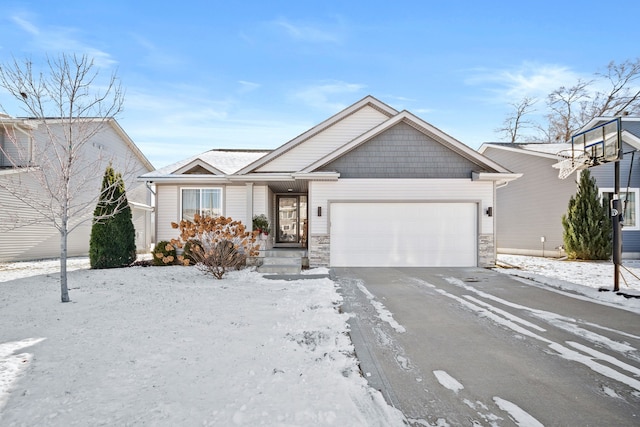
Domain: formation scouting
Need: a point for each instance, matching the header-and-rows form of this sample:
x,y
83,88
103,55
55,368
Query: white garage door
x,y
403,234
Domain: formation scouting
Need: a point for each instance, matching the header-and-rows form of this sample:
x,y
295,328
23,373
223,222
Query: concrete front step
x,y
279,269
275,253
272,260
282,261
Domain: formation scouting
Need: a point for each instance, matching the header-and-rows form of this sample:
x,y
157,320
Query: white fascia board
x,y
520,150
631,139
316,176
186,179
261,177
497,177
198,162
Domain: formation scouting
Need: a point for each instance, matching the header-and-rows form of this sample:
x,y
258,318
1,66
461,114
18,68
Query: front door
x,y
291,229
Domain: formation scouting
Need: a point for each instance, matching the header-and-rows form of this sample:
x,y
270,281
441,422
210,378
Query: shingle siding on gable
x,y
402,152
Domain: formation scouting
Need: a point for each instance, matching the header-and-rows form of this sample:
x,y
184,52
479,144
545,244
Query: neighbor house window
x,y
630,209
203,201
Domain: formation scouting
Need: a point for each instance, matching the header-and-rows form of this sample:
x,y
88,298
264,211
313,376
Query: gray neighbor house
x,y
529,210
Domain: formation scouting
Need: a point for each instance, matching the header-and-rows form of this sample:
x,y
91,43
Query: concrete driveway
x,y
473,347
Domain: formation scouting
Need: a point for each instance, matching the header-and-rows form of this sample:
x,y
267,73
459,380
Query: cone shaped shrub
x,y
587,226
113,236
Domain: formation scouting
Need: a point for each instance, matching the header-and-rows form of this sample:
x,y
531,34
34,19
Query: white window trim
x,y
636,191
202,188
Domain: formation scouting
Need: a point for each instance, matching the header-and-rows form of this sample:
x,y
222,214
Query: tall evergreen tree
x,y
587,226
113,236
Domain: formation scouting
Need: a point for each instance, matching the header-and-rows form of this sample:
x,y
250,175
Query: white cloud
x,y
323,95
26,25
310,33
529,79
51,40
246,86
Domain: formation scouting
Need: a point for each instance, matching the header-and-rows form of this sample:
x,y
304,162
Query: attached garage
x,y
408,234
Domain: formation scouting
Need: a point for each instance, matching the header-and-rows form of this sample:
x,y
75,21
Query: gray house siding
x,y
605,178
526,209
402,152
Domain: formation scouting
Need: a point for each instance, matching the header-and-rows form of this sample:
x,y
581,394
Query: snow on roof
x,y
226,161
538,147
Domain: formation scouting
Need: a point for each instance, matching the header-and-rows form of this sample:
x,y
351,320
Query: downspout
x,y
154,219
249,187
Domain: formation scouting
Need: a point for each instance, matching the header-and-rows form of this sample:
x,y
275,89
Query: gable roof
x,y
538,149
422,126
31,123
219,162
551,150
368,101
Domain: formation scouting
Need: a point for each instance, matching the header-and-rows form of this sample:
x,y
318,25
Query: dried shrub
x,y
164,253
187,251
222,244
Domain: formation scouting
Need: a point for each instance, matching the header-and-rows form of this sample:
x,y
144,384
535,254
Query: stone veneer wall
x,y
487,251
319,251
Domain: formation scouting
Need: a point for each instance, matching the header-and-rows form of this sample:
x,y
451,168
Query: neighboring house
x,y
532,207
629,181
370,186
41,240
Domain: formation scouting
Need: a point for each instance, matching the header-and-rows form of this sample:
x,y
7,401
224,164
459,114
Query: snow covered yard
x,y
584,278
170,346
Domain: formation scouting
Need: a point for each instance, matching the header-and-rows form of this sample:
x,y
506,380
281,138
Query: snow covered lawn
x,y
171,346
584,278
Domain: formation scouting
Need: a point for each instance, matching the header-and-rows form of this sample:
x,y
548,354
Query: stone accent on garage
x,y
319,247
486,251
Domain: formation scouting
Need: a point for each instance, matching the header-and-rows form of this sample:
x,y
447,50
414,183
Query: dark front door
x,y
292,220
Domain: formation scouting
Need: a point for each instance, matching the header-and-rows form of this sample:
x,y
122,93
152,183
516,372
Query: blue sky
x,y
254,74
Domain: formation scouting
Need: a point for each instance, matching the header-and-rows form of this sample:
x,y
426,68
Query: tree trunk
x,y
64,290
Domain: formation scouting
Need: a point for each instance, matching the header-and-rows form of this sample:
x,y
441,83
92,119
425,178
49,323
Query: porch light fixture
x,y
490,211
289,190
319,210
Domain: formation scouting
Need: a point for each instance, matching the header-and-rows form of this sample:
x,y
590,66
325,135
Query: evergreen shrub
x,y
164,253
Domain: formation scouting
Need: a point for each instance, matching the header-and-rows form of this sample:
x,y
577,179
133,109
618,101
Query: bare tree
x,y
67,106
613,92
517,120
567,107
622,97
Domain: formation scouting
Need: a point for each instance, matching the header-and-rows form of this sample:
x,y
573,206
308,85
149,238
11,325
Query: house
x,y
531,208
26,235
369,186
629,181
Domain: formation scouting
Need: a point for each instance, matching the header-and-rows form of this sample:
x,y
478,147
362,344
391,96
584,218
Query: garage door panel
x,y
403,234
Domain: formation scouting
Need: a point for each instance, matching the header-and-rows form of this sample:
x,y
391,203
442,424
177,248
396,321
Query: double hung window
x,y
202,201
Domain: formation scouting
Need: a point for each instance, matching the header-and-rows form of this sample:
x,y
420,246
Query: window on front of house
x,y
203,201
630,221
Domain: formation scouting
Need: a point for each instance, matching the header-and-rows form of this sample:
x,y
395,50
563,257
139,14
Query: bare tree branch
x,y
515,122
55,167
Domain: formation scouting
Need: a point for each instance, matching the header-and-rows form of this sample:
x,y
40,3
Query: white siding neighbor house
x,y
370,186
24,146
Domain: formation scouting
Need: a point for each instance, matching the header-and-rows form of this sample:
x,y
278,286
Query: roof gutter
x,y
501,179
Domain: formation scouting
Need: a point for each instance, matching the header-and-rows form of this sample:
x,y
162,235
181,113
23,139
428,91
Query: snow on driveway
x,y
170,346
